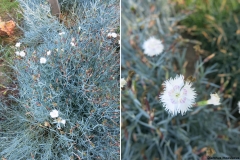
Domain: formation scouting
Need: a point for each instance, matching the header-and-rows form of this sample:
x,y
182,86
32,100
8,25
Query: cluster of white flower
x,y
23,54
19,53
61,33
57,120
114,35
179,97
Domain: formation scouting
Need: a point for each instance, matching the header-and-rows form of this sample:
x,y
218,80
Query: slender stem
x,y
201,103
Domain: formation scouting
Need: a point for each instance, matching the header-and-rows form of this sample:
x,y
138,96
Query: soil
x,y
191,57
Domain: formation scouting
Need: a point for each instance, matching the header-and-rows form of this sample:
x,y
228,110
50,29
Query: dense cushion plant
x,y
67,101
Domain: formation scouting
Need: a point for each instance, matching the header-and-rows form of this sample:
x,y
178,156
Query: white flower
x,y
48,52
239,107
54,113
22,53
61,50
114,35
215,99
17,53
178,96
122,82
43,60
61,33
72,44
18,44
153,47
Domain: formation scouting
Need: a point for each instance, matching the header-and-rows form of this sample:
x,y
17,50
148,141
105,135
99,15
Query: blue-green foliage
x,y
81,82
147,131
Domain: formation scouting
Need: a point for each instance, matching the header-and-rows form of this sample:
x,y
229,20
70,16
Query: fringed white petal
x,y
178,96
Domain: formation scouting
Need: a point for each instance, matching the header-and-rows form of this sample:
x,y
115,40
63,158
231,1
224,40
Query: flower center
x,y
178,94
154,46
